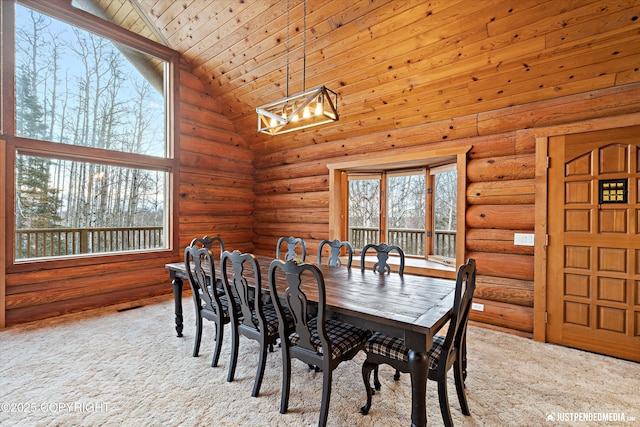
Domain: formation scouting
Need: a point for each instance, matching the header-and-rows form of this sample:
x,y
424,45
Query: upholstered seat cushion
x,y
394,348
343,336
271,317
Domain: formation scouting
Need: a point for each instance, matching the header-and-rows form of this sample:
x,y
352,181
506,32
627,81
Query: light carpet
x,y
127,368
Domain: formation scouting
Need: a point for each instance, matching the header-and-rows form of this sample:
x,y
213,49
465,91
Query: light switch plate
x,y
523,239
477,307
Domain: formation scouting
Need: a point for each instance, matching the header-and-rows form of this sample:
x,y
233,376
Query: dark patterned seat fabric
x,y
343,336
394,348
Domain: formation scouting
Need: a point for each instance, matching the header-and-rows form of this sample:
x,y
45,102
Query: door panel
x,y
593,270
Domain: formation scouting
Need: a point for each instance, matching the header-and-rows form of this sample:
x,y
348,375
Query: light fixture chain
x,y
304,44
287,73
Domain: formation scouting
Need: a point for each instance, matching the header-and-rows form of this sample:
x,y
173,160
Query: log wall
x,y
215,198
292,191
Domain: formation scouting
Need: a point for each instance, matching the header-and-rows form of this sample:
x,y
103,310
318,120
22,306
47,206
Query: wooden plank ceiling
x,y
393,63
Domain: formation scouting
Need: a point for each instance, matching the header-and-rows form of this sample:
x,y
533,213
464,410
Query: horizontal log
x,y
79,287
510,217
198,161
202,130
299,185
213,222
513,192
500,289
209,207
33,280
502,168
201,145
58,308
528,335
291,172
212,177
505,315
202,114
495,240
195,191
312,214
510,266
296,200
231,238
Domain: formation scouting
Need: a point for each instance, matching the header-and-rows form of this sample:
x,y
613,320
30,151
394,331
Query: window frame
x,y
63,11
338,193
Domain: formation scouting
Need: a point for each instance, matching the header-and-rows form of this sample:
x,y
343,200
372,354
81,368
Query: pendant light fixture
x,y
308,108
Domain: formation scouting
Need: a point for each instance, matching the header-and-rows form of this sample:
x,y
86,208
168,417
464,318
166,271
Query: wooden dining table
x,y
410,307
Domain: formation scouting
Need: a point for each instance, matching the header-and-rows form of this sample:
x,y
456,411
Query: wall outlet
x,y
523,239
477,307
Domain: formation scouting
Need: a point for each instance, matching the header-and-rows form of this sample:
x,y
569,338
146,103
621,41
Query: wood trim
x,y
540,238
338,188
337,193
7,66
403,160
3,235
461,224
62,10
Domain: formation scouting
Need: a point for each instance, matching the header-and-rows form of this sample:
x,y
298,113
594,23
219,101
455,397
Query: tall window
x,y
414,209
93,156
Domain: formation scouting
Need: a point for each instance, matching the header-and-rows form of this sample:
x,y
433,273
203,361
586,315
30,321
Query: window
x,y
418,213
415,201
92,136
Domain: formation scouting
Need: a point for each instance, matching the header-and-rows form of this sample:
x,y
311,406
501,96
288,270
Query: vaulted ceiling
x,y
394,63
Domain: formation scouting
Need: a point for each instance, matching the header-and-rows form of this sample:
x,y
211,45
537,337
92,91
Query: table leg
x,y
419,368
177,298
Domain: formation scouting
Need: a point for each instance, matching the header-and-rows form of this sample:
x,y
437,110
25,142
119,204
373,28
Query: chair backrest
x,y
295,299
207,242
239,287
200,270
292,243
334,257
382,250
465,287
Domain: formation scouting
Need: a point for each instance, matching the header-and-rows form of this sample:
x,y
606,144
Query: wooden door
x,y
593,269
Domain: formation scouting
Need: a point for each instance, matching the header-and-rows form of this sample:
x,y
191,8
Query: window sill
x,y
417,266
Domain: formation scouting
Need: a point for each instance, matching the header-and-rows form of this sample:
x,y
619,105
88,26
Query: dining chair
x,y
382,251
292,244
209,303
446,352
334,256
316,340
382,266
254,318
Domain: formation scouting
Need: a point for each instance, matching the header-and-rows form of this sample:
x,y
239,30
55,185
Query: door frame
x,y
542,136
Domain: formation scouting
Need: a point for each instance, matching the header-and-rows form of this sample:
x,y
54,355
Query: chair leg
x,y
196,343
326,397
219,336
443,398
262,361
458,375
233,361
367,367
376,380
286,380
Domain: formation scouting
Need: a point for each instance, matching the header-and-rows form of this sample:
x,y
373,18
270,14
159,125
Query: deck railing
x,y
53,242
410,240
